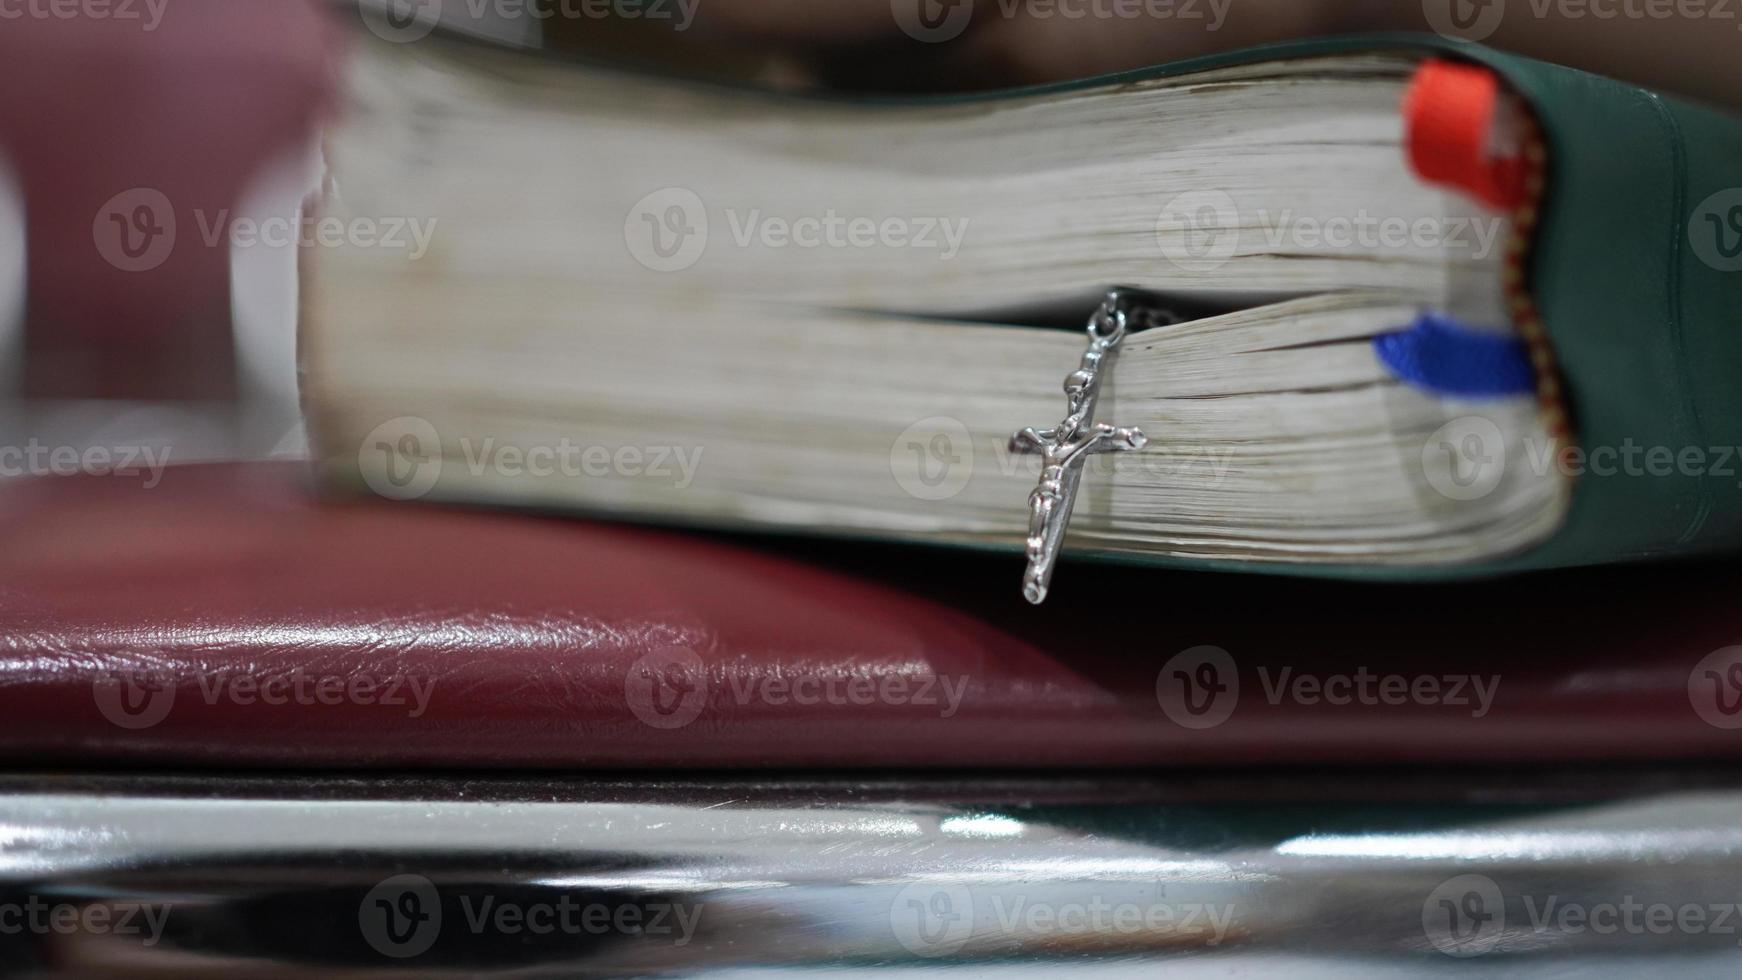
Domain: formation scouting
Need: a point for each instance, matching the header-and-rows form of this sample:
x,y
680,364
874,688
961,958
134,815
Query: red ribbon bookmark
x,y
1449,114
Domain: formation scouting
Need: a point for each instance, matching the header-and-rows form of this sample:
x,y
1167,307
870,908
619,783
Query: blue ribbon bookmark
x,y
1440,355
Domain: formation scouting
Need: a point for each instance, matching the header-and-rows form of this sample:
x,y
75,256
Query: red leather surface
x,y
182,603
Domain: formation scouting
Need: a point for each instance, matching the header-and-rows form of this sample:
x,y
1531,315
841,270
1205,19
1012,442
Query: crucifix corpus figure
x,y
1064,450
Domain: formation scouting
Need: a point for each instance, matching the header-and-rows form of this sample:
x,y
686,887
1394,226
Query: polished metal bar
x,y
1105,877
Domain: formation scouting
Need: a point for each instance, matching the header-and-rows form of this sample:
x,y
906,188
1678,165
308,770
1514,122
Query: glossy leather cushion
x,y
226,617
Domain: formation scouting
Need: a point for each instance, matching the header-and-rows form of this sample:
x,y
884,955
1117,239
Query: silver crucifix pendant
x,y
1064,450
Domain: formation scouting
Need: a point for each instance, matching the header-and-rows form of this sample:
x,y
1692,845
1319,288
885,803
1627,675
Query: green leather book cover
x,y
1637,270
